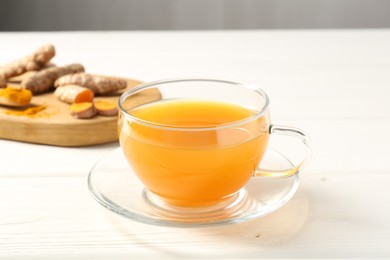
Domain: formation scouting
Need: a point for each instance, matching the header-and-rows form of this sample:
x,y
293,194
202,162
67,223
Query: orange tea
x,y
191,152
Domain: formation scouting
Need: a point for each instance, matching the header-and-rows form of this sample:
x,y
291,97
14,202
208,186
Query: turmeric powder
x,y
21,97
29,112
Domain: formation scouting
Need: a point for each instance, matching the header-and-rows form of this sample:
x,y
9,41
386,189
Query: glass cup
x,y
197,145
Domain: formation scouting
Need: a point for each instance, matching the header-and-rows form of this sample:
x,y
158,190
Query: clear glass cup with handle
x,y
197,146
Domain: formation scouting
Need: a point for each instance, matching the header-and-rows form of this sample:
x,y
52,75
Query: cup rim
x,y
192,128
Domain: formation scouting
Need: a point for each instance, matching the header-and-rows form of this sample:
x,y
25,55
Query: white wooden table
x,y
333,84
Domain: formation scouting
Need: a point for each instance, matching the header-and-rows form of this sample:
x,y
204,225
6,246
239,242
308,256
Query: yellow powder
x,y
29,112
20,96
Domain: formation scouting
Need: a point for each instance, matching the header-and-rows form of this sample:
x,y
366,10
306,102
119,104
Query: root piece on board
x,y
44,80
27,74
74,94
106,108
82,110
98,84
34,61
3,82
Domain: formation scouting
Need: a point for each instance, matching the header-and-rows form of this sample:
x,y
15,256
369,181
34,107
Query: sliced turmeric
x,y
74,94
44,80
106,108
98,84
82,110
15,97
35,61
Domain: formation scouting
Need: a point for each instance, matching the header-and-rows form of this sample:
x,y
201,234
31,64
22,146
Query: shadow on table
x,y
271,230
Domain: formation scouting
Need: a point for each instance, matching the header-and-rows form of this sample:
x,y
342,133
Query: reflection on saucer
x,y
114,185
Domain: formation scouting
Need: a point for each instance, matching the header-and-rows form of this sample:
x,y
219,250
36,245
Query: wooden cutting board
x,y
55,126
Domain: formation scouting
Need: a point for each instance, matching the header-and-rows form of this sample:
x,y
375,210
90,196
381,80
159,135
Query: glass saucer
x,y
115,186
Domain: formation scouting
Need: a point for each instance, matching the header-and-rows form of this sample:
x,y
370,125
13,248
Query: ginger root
x,y
43,80
35,61
82,110
98,84
74,94
106,108
15,97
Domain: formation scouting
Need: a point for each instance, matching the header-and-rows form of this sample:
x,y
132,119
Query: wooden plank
x,y
55,126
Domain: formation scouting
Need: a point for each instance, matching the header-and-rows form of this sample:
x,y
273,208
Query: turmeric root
x,y
82,110
3,82
98,84
15,97
43,80
20,78
74,94
106,108
35,61
27,74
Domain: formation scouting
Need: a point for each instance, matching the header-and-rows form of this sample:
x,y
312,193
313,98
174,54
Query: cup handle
x,y
293,132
